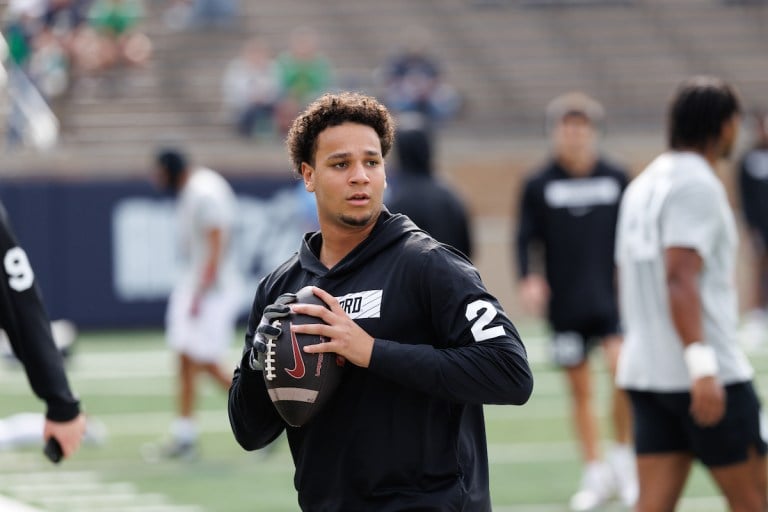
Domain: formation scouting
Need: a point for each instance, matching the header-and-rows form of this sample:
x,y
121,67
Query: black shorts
x,y
663,424
571,344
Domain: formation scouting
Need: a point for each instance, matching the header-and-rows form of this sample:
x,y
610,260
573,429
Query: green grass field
x,y
126,381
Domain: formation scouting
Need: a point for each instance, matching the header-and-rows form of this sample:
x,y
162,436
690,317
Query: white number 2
x,y
480,328
20,275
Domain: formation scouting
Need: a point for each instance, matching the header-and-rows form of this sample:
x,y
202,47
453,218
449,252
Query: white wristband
x,y
701,360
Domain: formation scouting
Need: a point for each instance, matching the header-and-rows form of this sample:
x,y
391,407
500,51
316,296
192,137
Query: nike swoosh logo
x,y
298,369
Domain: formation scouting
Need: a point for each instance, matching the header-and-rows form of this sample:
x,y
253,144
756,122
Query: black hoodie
x,y
407,432
25,320
431,204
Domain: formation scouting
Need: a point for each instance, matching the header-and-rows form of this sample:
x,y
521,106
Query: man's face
x,y
573,135
163,182
348,177
730,134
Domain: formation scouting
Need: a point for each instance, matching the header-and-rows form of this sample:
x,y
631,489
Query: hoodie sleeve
x,y
484,360
26,322
254,420
528,226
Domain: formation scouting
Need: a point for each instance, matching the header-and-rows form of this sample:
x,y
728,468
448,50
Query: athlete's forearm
x,y
683,269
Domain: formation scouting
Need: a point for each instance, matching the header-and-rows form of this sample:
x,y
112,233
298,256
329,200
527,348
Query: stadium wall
x,y
104,250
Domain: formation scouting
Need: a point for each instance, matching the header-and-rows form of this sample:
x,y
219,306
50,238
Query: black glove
x,y
266,332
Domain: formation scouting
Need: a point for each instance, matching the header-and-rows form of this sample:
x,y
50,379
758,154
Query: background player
x,y
26,324
417,193
753,188
429,346
202,310
568,210
688,380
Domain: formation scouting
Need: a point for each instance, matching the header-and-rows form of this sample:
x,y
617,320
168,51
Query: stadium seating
x,y
507,57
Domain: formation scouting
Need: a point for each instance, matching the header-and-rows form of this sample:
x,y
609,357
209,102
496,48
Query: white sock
x,y
184,429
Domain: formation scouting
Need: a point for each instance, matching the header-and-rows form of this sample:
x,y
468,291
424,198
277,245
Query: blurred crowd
x,y
51,43
53,40
263,88
57,45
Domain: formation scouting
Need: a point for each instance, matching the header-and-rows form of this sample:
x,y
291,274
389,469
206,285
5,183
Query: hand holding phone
x,y
53,450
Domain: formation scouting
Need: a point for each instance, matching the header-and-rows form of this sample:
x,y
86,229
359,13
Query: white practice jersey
x,y
206,201
677,201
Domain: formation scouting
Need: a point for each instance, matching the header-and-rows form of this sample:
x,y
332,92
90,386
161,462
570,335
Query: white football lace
x,y
269,369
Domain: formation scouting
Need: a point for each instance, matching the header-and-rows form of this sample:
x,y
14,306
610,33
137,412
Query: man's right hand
x,y
707,401
69,434
534,294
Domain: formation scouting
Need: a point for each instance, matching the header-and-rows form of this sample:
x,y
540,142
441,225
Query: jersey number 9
x,y
20,275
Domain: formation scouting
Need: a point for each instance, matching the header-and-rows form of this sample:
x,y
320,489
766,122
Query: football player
x,y
689,382
25,321
568,209
203,307
426,345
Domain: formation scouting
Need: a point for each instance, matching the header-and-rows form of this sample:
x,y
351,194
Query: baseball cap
x,y
574,103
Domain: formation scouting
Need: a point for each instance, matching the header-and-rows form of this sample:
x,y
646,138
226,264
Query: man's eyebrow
x,y
346,154
343,154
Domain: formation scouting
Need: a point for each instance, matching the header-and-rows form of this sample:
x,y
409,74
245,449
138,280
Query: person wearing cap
x,y
203,306
567,217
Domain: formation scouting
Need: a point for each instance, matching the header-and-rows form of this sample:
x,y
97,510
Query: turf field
x,y
125,381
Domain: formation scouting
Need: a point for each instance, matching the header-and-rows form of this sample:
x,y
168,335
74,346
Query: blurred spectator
x,y
65,20
568,210
30,59
20,24
49,65
414,81
190,14
753,188
417,193
251,88
305,73
113,38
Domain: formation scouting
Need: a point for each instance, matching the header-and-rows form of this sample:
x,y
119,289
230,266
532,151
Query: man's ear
x,y
308,175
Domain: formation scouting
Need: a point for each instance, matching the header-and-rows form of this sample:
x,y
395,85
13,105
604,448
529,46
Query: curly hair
x,y
698,111
334,109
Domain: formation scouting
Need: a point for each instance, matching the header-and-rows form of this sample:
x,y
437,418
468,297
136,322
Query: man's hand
x,y
707,401
207,280
265,331
345,337
534,294
69,434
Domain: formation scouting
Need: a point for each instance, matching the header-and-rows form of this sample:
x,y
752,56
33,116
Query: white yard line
x,y
9,505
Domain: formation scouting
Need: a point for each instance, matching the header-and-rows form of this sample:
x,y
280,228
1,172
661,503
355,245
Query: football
x,y
299,384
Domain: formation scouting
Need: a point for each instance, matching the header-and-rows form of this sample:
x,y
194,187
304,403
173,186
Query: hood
x,y
414,152
390,228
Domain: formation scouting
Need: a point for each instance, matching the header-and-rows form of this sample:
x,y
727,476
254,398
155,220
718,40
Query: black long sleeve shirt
x,y
574,222
408,432
26,323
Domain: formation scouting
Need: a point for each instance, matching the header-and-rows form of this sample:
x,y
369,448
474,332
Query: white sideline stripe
x,y
686,504
158,422
82,491
9,505
691,504
27,491
531,452
9,479
143,508
76,502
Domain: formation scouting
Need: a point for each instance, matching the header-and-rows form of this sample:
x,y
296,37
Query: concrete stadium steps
x,y
508,60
